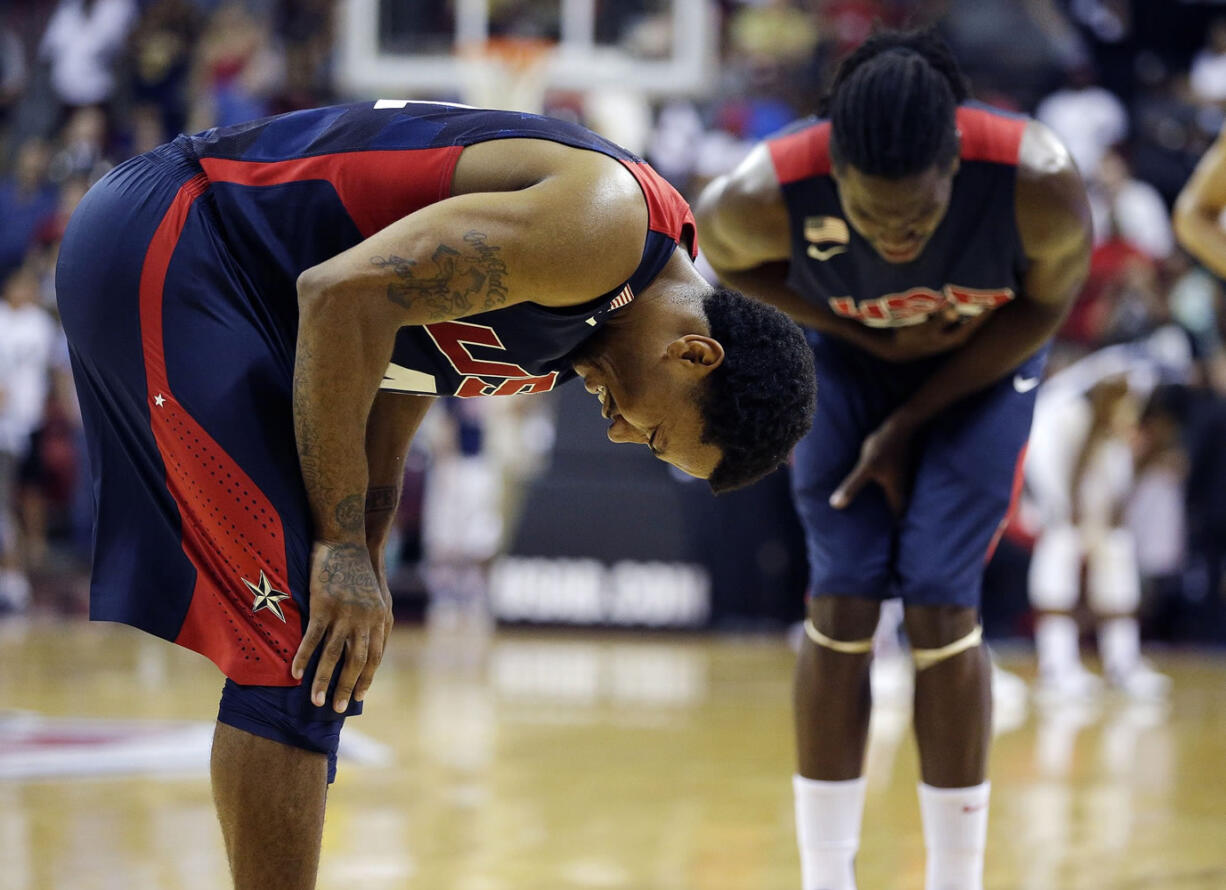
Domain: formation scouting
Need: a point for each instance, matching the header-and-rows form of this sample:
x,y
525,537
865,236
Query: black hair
x,y
892,104
760,400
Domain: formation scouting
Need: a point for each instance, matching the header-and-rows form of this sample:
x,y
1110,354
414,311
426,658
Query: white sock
x,y
828,831
1119,644
14,589
1056,641
955,835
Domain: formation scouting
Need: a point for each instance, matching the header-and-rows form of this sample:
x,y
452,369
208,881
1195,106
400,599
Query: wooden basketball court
x,y
572,760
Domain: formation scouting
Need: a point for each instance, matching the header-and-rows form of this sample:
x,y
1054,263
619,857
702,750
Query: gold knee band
x,y
926,658
859,647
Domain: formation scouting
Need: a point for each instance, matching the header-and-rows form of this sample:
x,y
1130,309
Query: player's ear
x,y
699,353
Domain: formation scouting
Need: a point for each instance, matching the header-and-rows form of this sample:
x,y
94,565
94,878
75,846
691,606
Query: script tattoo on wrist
x,y
456,281
347,575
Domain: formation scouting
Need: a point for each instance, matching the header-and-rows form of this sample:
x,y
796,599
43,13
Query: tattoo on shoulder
x,y
458,280
350,513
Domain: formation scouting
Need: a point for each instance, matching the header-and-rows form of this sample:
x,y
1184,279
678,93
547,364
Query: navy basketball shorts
x,y
967,474
202,527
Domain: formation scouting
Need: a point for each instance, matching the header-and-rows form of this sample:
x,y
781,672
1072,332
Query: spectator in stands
x,y
82,43
237,69
27,336
1087,118
12,70
83,146
159,59
1208,75
1127,207
26,199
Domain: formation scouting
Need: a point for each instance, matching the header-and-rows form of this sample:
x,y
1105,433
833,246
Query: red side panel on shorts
x,y
376,187
1018,479
667,211
230,530
802,154
995,138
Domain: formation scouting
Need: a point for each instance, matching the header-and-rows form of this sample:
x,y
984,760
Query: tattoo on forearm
x,y
304,432
349,513
462,280
381,499
347,575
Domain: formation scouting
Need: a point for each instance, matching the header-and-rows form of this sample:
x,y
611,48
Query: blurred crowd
x,y
1136,89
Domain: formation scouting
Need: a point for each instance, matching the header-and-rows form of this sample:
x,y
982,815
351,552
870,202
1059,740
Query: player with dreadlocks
x,y
930,247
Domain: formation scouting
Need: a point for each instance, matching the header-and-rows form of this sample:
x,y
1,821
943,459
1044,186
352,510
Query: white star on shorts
x,y
159,400
266,597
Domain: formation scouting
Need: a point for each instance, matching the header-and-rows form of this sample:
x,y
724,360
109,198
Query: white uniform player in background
x,y
27,338
1079,481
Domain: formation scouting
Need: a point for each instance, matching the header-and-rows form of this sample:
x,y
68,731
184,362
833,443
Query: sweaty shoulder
x,y
742,215
1049,188
580,213
1053,215
507,165
614,189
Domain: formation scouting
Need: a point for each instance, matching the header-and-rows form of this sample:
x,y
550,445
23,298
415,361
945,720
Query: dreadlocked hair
x,y
892,104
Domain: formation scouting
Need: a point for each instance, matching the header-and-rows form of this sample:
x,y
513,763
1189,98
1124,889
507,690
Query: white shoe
x,y
14,592
1073,684
1142,683
1009,699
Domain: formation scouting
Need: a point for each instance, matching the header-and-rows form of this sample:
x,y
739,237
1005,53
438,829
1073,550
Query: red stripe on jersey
x,y
990,137
376,187
801,154
667,211
230,530
1018,477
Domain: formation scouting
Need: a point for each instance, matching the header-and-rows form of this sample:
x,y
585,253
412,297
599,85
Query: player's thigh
x,y
966,478
848,549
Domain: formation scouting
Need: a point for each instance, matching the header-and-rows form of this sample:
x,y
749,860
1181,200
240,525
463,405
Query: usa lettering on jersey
x,y
479,377
914,306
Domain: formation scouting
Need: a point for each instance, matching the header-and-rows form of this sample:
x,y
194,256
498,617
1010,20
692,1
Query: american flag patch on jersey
x,y
826,228
622,299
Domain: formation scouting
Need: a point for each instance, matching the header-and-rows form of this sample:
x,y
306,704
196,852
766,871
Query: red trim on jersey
x,y
990,137
1014,496
667,211
801,154
376,187
229,529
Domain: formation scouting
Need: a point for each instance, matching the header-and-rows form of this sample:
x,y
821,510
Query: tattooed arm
x,y
393,421
570,228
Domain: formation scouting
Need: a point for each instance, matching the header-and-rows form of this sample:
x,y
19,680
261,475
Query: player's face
x,y
650,399
895,216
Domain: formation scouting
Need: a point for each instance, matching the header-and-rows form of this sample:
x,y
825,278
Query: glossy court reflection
x,y
529,760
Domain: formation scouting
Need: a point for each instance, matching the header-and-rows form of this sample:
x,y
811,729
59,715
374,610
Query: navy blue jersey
x,y
973,261
176,286
293,190
967,459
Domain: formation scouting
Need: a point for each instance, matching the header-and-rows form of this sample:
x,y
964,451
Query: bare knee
x,y
845,618
930,627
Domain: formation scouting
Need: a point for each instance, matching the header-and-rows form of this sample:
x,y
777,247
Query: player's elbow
x,y
311,285
321,290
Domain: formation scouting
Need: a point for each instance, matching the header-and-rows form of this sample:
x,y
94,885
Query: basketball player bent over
x,y
930,247
258,318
